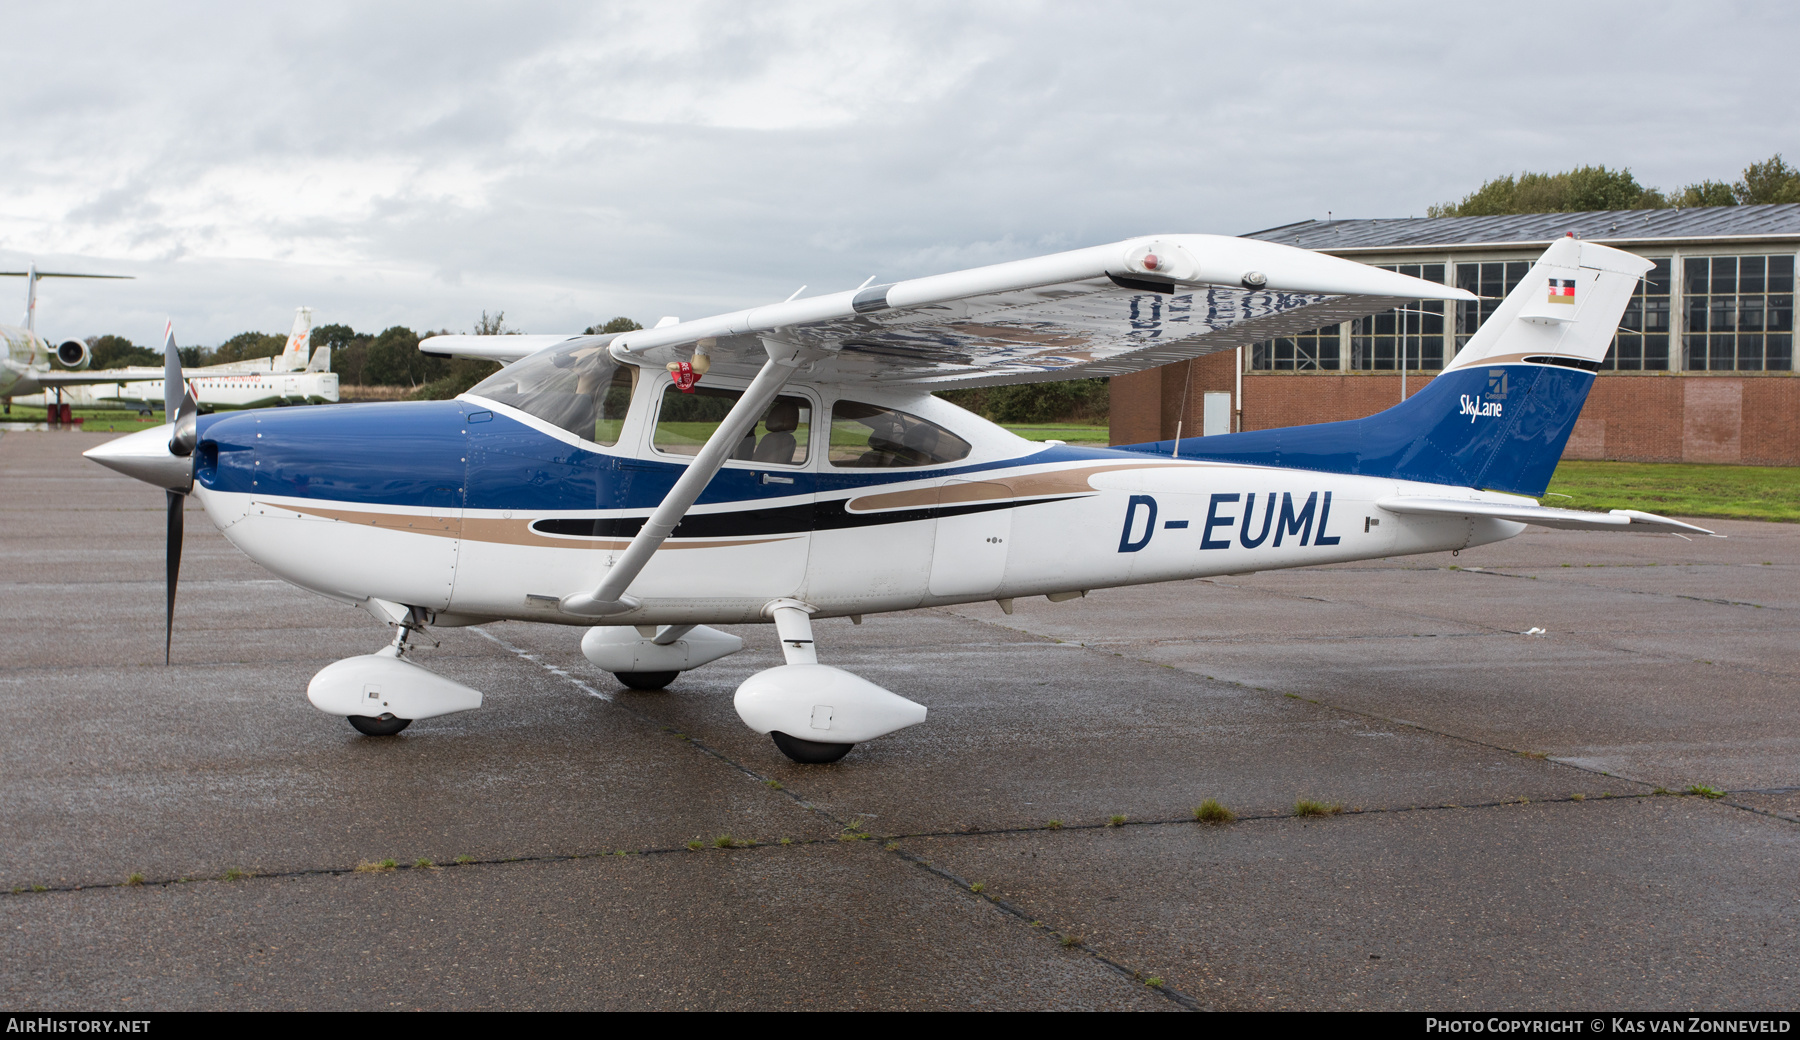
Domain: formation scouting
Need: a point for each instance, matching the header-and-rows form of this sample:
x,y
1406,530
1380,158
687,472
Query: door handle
x,y
770,478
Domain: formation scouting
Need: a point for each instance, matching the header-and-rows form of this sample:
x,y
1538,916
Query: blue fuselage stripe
x,y
423,454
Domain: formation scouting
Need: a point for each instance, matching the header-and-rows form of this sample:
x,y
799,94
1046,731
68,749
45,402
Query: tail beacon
x,y
295,357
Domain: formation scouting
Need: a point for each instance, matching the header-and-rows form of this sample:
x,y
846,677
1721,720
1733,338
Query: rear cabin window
x,y
779,438
579,388
870,437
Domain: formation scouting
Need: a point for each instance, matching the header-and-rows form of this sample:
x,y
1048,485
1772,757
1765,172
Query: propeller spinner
x,y
165,457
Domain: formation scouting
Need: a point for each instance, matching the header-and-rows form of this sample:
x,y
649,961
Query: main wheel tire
x,y
385,726
646,680
809,752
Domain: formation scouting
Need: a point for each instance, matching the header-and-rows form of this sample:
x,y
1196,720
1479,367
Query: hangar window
x,y
687,421
1738,313
1642,342
1305,352
1412,335
578,387
870,437
1492,279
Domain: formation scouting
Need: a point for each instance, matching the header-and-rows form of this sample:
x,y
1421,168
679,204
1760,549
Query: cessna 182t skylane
x,y
789,463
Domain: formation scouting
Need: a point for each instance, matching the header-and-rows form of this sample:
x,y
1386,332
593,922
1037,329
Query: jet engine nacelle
x,y
381,684
820,703
72,353
622,649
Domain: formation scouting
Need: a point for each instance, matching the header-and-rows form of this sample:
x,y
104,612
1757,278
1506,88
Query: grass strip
x,y
1680,489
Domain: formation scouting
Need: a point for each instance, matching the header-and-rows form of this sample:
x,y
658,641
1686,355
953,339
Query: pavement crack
x,y
849,830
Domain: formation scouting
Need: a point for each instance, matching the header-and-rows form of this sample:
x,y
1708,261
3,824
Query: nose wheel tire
x,y
809,752
384,726
646,680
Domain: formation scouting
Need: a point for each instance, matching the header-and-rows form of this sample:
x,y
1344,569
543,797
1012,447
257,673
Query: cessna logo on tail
x,y
1476,409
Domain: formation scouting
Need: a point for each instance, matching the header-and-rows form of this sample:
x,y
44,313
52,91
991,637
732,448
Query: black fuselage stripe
x,y
830,515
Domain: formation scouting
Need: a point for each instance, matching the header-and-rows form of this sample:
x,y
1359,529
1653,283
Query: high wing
x,y
1100,311
1542,516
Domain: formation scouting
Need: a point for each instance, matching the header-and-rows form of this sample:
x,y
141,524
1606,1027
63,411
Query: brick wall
x,y
1649,417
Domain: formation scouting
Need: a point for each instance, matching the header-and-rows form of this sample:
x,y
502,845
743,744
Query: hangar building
x,y
1701,370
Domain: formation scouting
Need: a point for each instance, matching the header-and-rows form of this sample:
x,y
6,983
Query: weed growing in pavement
x,y
464,859
978,887
40,888
134,880
1578,798
1661,790
234,874
1210,811
773,785
1115,820
787,841
1055,825
366,867
892,846
1704,791
1071,940
696,845
1304,807
1154,980
424,864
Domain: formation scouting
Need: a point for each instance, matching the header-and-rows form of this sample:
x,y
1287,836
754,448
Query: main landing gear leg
x,y
793,622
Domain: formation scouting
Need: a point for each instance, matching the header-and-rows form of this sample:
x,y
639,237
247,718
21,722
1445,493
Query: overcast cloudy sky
x,y
390,164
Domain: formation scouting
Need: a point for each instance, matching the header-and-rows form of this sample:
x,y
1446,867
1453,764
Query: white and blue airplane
x,y
789,463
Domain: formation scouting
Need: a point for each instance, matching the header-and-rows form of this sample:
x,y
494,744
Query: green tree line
x,y
1589,188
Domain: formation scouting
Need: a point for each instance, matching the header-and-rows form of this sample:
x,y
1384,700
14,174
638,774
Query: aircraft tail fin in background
x,y
294,357
321,360
1497,417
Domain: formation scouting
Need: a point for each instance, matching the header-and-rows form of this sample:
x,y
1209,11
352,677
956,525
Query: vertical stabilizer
x,y
1498,416
294,358
31,277
321,360
1567,307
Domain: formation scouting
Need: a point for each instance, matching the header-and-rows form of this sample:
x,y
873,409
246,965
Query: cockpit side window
x,y
579,388
687,420
867,436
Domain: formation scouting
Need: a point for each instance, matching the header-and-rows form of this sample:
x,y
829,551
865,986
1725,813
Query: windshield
x,y
578,387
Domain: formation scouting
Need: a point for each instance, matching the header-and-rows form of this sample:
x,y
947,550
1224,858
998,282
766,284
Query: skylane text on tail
x,y
789,462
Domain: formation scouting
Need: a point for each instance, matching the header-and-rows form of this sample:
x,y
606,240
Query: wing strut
x,y
610,597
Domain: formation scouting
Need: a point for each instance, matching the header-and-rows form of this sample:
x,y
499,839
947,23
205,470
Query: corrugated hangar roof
x,y
1631,225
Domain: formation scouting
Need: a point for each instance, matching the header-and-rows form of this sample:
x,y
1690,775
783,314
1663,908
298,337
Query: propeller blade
x,y
172,557
172,384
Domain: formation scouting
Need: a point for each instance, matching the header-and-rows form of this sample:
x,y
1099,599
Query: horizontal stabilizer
x,y
1542,516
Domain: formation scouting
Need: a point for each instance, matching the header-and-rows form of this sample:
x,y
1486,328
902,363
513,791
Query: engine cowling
x,y
72,353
